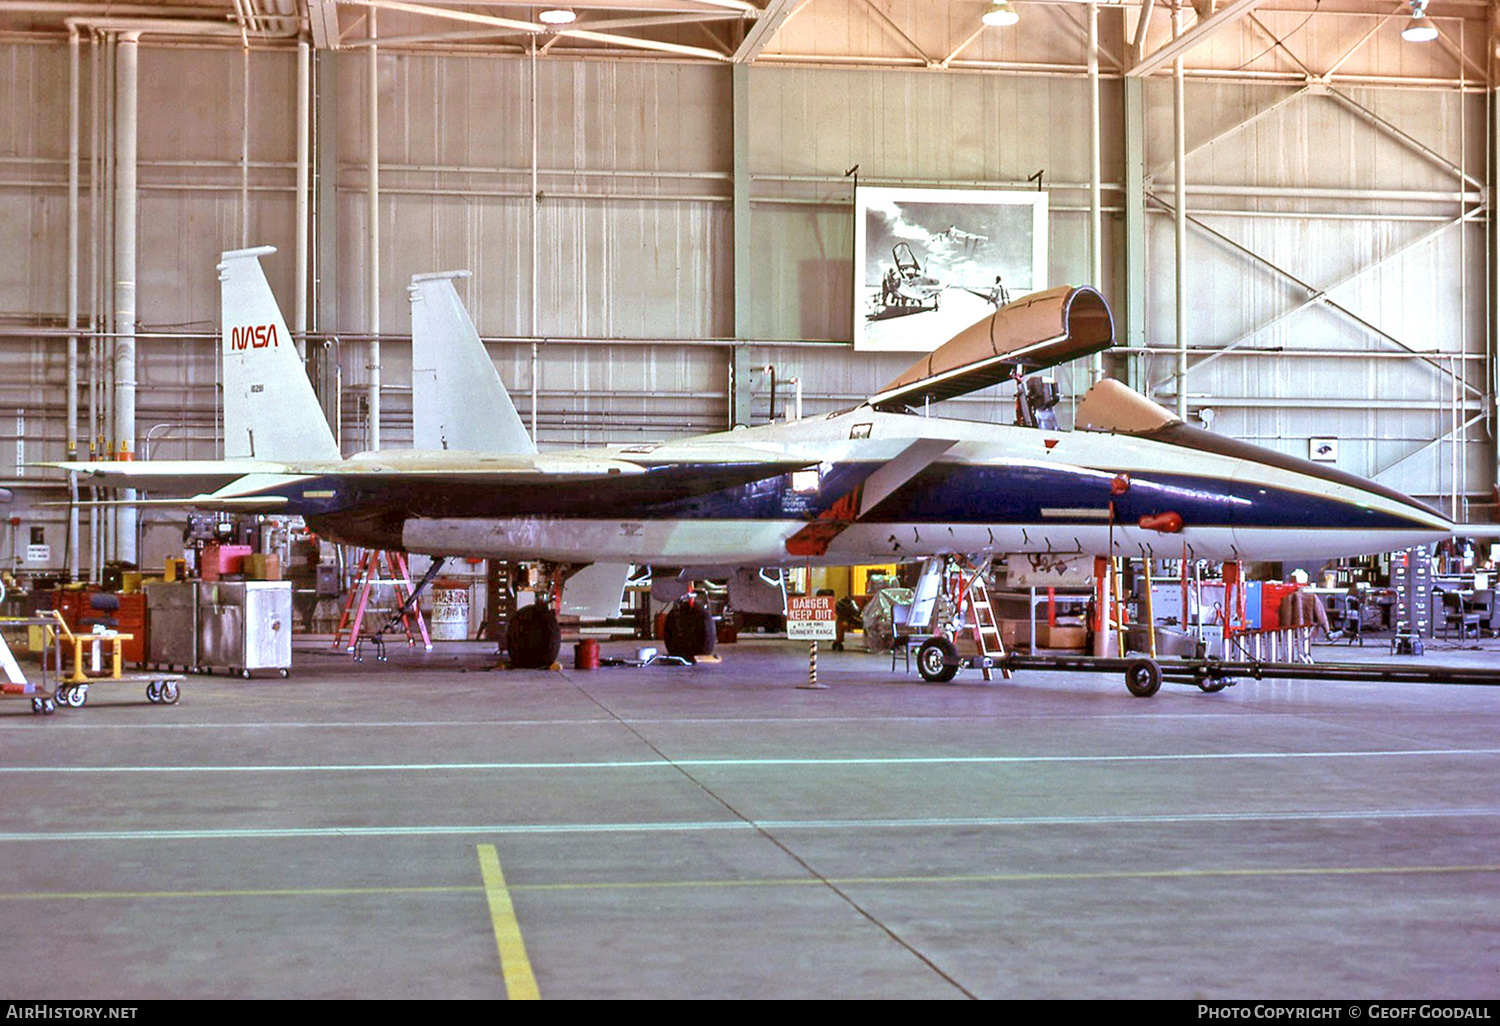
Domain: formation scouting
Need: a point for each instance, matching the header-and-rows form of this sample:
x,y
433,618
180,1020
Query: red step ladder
x,y
353,615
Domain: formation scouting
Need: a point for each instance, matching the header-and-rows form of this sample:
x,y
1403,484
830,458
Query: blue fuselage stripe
x,y
945,493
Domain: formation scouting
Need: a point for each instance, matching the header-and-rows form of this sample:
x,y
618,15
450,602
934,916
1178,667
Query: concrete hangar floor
x,y
421,829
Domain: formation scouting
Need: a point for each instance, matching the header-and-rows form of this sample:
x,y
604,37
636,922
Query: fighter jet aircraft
x,y
905,289
873,483
957,234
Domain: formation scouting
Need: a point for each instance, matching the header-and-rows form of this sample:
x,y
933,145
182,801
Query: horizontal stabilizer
x,y
1040,330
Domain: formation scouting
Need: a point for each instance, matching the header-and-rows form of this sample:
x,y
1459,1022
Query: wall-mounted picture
x,y
930,262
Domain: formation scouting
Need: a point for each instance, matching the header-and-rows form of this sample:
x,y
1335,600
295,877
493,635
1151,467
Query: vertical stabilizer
x,y
270,411
458,400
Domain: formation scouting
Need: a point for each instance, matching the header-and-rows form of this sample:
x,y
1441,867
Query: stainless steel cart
x,y
244,626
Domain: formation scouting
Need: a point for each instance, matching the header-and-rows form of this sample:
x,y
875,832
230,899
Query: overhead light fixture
x,y
1420,29
1000,14
557,16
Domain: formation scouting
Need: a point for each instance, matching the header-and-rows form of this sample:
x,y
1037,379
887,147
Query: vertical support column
x,y
325,263
244,140
1096,221
739,359
304,118
373,390
536,321
1493,234
109,516
96,201
1135,228
1179,135
72,386
125,295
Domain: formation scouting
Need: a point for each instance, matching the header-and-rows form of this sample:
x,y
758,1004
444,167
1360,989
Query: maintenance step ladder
x,y
983,625
353,616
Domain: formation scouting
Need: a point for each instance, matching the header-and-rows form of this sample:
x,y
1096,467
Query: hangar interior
x,y
1286,203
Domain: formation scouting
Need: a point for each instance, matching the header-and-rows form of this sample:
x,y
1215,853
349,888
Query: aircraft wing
x,y
165,475
410,479
866,494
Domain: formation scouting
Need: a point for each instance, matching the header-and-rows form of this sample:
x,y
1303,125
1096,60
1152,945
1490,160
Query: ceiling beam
x,y
323,22
640,43
1223,18
776,14
454,15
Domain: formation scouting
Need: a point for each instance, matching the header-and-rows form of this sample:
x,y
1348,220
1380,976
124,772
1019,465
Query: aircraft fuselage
x,y
999,488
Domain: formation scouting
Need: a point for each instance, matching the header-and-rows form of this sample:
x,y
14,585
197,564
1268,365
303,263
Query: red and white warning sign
x,y
810,618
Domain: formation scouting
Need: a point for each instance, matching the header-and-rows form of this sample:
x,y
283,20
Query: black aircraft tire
x,y
1143,677
533,638
937,661
689,631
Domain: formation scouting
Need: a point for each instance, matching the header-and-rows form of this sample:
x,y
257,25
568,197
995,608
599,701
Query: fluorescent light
x,y
1000,14
1420,29
557,16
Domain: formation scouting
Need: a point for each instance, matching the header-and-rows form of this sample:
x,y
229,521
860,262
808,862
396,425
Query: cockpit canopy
x,y
1037,331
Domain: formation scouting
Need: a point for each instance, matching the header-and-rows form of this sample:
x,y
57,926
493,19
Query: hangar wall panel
x,y
634,228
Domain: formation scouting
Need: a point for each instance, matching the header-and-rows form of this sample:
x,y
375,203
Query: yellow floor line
x,y
520,982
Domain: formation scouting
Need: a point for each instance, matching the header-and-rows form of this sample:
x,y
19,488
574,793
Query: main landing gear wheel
x,y
153,691
937,661
689,630
75,696
169,693
533,638
1143,677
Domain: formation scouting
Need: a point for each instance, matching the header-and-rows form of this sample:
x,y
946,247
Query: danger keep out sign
x,y
810,618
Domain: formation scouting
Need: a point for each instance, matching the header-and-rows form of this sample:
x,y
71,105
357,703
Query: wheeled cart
x,y
938,662
161,688
43,703
43,697
244,626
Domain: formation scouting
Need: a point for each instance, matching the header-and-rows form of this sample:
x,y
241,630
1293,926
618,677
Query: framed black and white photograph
x,y
1323,450
930,262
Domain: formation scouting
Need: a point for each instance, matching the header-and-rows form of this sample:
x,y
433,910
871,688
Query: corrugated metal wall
x,y
635,235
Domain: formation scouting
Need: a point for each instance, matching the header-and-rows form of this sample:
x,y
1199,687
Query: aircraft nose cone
x,y
1322,511
1284,507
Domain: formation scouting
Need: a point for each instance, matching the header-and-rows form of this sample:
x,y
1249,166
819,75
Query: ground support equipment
x,y
161,688
1144,676
43,694
408,614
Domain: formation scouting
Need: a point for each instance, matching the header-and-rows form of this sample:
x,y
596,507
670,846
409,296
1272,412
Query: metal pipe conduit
x,y
373,186
1179,172
74,44
61,334
126,137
